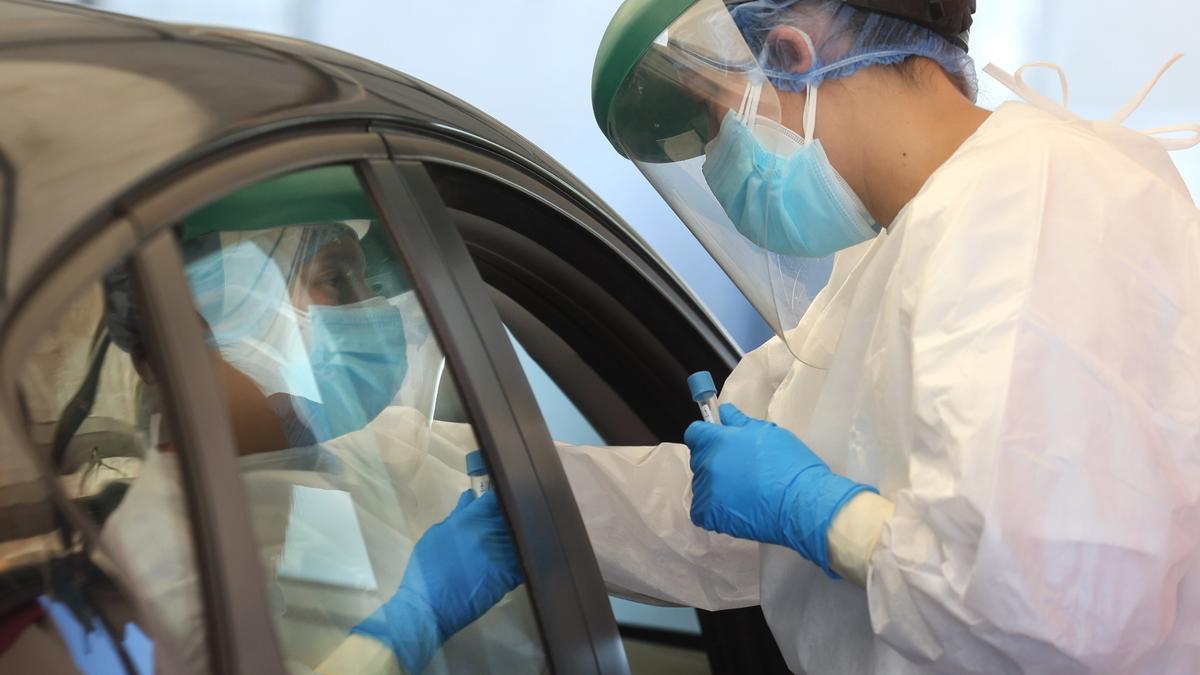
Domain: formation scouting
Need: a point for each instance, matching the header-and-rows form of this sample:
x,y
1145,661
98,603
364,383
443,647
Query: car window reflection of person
x,y
459,567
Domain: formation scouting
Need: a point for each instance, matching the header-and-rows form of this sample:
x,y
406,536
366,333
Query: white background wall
x,y
528,63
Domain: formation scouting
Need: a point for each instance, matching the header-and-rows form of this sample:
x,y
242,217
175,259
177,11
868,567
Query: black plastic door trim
x,y
241,634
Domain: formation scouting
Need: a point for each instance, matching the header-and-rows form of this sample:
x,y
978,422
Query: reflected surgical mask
x,y
779,189
358,357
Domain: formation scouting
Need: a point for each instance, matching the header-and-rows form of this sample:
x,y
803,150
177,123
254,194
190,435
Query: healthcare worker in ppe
x,y
974,445
335,438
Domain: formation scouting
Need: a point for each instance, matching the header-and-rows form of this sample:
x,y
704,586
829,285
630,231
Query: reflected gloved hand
x,y
754,480
459,569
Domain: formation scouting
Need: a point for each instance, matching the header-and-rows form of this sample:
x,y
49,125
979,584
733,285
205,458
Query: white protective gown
x,y
1015,364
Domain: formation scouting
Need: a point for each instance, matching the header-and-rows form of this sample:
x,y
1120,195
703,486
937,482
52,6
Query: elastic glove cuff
x,y
812,513
854,535
408,625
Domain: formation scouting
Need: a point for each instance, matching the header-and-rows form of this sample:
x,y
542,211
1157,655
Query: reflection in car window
x,y
376,556
92,408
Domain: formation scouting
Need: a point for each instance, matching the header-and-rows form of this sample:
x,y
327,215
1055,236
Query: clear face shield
x,y
702,120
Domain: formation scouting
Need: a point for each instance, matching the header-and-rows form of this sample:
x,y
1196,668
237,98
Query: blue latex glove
x,y
459,569
754,480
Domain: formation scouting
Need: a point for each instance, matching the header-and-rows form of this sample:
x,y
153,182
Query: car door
x,y
288,553
607,336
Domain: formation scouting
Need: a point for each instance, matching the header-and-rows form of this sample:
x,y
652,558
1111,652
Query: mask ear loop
x,y
749,107
810,89
741,111
810,113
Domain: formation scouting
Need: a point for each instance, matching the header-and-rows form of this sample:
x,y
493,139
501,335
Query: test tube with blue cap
x,y
481,482
704,393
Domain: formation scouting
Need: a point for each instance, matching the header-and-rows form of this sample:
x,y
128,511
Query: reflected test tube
x,y
704,393
481,482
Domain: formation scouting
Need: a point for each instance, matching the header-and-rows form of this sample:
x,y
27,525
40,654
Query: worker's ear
x,y
790,50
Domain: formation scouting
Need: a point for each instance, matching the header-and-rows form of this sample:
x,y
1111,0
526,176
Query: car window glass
x,y
646,627
90,398
333,377
564,419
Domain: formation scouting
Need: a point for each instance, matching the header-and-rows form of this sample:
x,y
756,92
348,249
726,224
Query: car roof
x,y
79,131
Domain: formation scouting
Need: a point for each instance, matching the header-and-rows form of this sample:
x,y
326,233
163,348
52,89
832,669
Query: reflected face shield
x,y
292,308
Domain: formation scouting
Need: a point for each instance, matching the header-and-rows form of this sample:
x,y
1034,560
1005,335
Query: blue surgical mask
x,y
788,198
358,361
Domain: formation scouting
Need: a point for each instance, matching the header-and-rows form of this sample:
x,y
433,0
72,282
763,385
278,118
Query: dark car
x,y
167,193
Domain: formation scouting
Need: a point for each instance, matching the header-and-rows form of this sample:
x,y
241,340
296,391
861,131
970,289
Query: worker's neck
x,y
912,134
